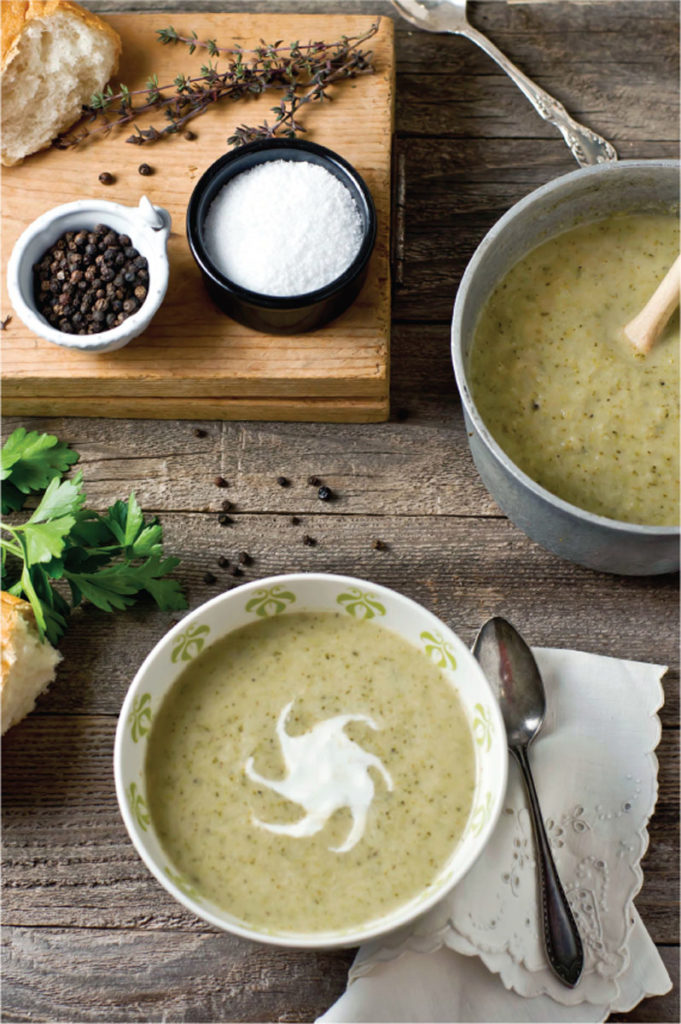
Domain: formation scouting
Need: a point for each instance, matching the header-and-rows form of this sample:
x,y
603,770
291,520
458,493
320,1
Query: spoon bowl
x,y
512,672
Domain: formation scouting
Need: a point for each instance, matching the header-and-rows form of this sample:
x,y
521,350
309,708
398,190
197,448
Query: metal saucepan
x,y
568,531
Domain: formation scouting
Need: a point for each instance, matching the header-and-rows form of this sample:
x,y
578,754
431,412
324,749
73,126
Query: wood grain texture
x,y
195,977
88,933
58,879
464,568
192,350
199,977
282,409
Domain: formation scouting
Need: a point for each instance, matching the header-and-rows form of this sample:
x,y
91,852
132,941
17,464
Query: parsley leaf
x,y
45,541
108,559
28,462
12,498
115,586
60,499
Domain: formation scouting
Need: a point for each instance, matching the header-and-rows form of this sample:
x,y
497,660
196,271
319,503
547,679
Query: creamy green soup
x,y
558,384
310,772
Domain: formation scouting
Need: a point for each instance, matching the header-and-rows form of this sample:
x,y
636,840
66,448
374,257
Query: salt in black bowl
x,y
276,314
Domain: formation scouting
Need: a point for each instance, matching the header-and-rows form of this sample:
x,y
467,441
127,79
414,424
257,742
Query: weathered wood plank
x,y
86,975
78,869
382,467
451,193
172,977
463,569
485,102
410,483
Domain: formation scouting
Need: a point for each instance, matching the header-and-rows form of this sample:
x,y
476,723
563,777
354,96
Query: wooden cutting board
x,y
193,361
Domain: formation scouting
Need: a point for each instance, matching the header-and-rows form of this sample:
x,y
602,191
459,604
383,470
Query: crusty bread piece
x,y
28,664
53,56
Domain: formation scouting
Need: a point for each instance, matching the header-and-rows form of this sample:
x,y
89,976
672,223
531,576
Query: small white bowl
x,y
280,595
148,227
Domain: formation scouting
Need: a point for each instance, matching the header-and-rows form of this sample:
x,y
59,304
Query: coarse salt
x,y
283,228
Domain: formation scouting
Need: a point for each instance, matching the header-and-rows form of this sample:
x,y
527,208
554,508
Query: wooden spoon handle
x,y
644,330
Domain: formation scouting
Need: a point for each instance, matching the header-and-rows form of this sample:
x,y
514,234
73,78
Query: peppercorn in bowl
x,y
91,274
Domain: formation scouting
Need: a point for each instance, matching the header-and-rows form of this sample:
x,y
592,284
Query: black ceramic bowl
x,y
277,314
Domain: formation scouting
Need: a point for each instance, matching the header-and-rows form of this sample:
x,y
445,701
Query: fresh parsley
x,y
108,559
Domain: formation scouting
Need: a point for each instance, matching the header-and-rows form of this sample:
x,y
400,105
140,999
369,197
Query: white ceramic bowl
x,y
280,595
148,227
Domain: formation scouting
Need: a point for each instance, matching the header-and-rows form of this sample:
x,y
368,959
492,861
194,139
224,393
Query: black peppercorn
x,y
223,562
219,481
283,481
295,521
310,542
106,178
236,571
75,276
198,432
145,169
189,135
313,481
225,520
379,545
226,505
325,493
245,558
209,578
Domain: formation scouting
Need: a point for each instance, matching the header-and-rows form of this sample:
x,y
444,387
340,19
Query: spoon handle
x,y
561,938
586,146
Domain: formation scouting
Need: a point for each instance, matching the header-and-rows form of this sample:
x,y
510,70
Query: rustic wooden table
x,y
88,934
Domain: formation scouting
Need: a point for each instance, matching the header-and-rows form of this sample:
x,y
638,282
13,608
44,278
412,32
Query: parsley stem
x,y
15,549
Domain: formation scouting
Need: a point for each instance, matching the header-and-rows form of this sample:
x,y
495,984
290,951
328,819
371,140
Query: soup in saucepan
x,y
559,386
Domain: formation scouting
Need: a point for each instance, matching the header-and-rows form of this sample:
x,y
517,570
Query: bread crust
x,y
11,609
15,15
12,18
28,664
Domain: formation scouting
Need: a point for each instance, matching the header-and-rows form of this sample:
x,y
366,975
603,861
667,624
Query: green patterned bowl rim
x,y
170,646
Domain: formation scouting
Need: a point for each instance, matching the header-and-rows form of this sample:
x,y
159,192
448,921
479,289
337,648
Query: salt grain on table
x,y
283,228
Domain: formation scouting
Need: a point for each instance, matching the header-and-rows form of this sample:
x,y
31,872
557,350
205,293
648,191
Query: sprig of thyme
x,y
303,71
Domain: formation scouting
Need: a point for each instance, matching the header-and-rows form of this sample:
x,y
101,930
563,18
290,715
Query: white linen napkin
x,y
478,955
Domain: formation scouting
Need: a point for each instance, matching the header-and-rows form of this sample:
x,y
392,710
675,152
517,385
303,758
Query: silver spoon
x,y
512,672
586,146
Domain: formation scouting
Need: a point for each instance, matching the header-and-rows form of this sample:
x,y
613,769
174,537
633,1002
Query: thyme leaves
x,y
302,71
